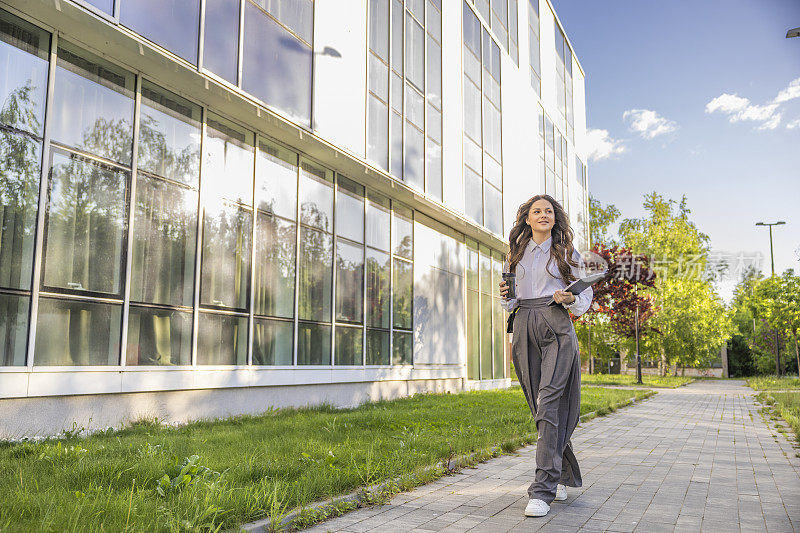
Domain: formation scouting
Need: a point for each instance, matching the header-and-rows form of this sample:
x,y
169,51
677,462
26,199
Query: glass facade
x,y
404,108
486,345
564,82
533,45
483,163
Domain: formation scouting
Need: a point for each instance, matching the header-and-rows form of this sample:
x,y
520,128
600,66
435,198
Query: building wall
x,y
289,130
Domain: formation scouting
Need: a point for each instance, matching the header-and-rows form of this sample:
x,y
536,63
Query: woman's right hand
x,y
503,290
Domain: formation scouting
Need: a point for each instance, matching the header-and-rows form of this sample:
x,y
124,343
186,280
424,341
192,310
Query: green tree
x,y
776,300
600,218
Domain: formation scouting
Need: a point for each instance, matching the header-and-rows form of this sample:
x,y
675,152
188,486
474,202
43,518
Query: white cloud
x,y
602,145
795,124
648,123
740,109
789,93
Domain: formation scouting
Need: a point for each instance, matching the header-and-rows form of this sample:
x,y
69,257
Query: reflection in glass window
x,y
297,15
486,336
221,38
93,105
378,221
378,138
349,345
403,232
378,288
80,333
313,344
434,73
403,293
473,194
13,329
221,340
20,160
159,337
164,241
276,66
473,335
171,23
493,209
103,5
378,28
272,342
414,171
225,271
275,266
403,344
276,180
85,226
23,80
228,164
350,210
316,264
169,135
415,53
378,347
316,196
349,282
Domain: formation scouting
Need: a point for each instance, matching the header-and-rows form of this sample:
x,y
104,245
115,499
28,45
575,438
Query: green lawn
x,y
217,475
625,379
787,405
773,383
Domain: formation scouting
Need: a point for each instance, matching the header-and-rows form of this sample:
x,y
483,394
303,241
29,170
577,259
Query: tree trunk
x,y
675,372
662,365
683,370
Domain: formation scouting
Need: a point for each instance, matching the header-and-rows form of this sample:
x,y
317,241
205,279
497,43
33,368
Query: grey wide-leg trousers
x,y
548,365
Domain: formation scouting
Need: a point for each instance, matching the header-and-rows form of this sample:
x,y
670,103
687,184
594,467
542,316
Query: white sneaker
x,y
536,508
561,493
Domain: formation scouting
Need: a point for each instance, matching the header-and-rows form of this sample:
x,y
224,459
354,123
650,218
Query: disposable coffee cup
x,y
511,280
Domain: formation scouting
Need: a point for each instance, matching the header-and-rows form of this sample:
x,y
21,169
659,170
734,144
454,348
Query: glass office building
x,y
211,207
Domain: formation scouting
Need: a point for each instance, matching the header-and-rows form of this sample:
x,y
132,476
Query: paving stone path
x,y
696,458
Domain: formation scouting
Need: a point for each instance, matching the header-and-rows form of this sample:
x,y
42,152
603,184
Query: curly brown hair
x,y
561,249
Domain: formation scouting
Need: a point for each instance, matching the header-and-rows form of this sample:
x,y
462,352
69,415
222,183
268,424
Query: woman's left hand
x,y
563,297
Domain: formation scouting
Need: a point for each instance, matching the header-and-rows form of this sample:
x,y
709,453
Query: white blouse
x,y
533,281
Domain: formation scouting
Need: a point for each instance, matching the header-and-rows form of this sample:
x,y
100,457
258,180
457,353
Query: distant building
x,y
211,207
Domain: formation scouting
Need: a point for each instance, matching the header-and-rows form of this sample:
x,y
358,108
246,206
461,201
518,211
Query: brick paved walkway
x,y
697,458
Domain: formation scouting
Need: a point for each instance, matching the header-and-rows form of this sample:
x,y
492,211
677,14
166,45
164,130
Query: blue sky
x,y
712,112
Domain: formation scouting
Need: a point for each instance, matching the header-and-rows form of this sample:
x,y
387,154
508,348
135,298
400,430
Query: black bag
x,y
510,324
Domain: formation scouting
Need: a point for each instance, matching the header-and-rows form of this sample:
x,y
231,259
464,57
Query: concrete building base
x,y
46,416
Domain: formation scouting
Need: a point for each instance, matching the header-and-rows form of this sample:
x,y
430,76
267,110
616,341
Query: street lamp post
x,y
772,264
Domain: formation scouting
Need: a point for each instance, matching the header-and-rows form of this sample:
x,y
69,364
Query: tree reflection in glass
x,y
349,344
225,280
13,329
221,340
403,294
272,342
274,266
349,282
159,337
378,288
85,226
315,276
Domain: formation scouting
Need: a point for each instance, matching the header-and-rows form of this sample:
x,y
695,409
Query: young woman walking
x,y
544,345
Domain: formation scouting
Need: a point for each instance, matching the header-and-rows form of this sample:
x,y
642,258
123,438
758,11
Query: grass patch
x,y
670,382
786,405
773,383
218,474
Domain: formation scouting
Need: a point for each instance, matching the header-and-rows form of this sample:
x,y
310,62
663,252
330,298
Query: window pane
x,y
493,209
316,196
169,135
171,23
378,288
403,293
276,180
377,347
396,156
297,15
275,266
272,342
473,155
415,107
485,271
349,346
434,22
415,53
313,344
472,110
378,77
20,158
13,329
433,169
221,340
414,170
492,171
277,66
349,282
159,337
434,73
350,210
164,242
397,93
403,232
93,106
379,28
316,265
378,137
85,226
397,36
221,38
225,274
473,195
473,335
403,354
486,336
499,340
472,268
417,7
104,5
378,219
228,163
23,80
77,333
472,30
